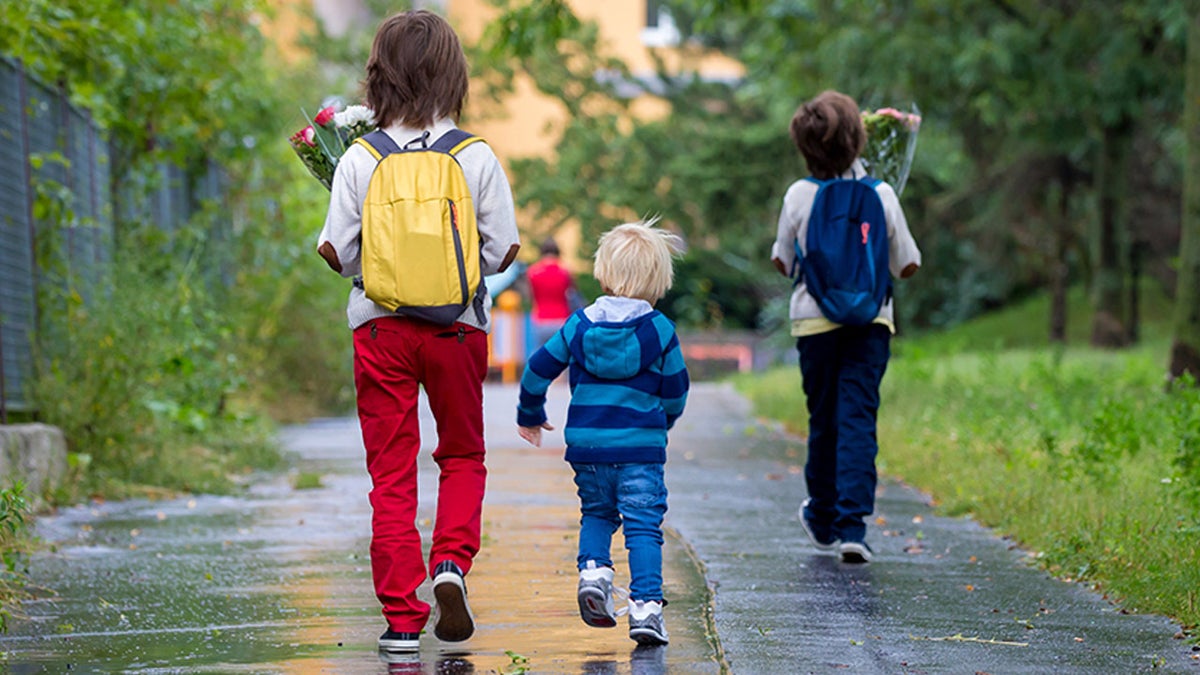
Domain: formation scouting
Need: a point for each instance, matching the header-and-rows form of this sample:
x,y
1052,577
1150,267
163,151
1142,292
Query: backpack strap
x,y
452,142
378,143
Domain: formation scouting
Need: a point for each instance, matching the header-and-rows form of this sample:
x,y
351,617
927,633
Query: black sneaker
x,y
454,622
855,552
399,643
822,538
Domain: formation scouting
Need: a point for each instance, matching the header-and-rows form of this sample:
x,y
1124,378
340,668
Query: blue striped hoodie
x,y
628,382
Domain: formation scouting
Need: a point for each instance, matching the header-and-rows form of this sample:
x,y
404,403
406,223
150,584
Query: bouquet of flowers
x,y
891,144
320,145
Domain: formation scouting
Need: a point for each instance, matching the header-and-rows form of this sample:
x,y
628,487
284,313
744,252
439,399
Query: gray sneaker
x,y
595,596
646,622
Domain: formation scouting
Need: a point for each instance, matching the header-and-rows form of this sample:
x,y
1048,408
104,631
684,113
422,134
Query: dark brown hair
x,y
829,132
417,71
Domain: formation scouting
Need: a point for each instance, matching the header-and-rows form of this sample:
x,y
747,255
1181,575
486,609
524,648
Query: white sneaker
x,y
595,596
646,622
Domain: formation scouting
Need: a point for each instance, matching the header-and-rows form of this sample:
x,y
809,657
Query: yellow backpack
x,y
420,242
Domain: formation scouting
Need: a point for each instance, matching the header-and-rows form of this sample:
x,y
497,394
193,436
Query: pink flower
x,y
325,116
309,135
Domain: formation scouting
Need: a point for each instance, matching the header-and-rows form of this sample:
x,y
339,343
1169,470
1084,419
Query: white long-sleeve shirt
x,y
490,192
803,309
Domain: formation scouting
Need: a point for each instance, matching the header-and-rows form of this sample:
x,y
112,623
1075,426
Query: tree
x,y
1185,348
1041,141
1041,115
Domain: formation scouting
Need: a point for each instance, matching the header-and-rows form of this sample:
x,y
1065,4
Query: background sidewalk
x,y
942,596
277,580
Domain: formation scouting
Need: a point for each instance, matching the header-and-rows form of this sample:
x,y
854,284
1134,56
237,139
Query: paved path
x,y
943,595
276,581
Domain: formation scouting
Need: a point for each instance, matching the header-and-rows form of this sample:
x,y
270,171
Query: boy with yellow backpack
x,y
419,212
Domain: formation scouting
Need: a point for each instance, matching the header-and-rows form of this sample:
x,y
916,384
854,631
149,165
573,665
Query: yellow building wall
x,y
526,123
520,129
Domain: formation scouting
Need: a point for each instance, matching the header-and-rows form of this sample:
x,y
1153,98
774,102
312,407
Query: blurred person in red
x,y
554,293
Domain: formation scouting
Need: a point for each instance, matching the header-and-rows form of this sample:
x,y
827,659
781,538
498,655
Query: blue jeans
x,y
842,371
632,496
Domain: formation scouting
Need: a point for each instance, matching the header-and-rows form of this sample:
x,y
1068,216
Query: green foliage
x,y
183,79
700,168
1018,100
714,290
1081,455
306,480
143,382
160,370
1183,415
14,512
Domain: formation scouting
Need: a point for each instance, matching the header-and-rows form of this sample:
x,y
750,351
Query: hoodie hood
x,y
617,338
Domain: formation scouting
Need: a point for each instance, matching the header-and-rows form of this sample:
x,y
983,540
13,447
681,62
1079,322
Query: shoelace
x,y
622,593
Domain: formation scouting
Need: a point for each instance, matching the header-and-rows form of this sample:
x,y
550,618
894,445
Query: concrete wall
x,y
35,454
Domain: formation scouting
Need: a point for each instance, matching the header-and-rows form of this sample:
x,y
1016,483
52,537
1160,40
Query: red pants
x,y
392,356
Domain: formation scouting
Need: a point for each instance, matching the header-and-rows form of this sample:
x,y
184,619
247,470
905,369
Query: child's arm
x,y
675,382
783,251
339,241
534,434
904,258
495,217
543,367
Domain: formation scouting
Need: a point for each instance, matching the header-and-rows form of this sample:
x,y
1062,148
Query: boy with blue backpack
x,y
842,235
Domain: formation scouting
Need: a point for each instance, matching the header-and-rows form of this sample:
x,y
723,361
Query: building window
x,y
660,30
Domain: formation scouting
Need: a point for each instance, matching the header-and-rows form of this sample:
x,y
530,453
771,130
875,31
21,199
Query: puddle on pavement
x,y
277,581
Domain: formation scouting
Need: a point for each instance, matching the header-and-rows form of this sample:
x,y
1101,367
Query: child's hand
x,y
534,434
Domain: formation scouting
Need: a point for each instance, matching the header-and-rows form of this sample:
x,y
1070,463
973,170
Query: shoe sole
x,y
593,609
400,646
823,548
455,622
855,555
646,636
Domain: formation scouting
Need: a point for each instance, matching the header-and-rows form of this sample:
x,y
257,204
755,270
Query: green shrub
x,y
142,378
13,546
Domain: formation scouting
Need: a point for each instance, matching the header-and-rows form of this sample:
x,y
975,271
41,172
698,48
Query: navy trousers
x,y
842,370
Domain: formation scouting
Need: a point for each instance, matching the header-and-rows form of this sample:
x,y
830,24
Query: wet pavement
x,y
277,580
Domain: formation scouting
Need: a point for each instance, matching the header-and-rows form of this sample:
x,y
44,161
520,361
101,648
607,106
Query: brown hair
x,y
417,71
829,132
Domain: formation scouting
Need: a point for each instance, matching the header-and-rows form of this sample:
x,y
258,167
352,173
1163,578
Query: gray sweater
x,y
490,191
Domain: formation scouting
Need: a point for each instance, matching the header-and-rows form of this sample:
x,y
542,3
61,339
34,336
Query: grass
x,y
1081,455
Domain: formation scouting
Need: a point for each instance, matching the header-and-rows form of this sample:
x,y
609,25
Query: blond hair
x,y
634,260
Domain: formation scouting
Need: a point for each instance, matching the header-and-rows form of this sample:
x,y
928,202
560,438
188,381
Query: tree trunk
x,y
1185,348
1110,327
1061,271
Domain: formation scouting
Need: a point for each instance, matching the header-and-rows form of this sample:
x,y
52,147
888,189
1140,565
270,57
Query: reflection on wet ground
x,y
277,580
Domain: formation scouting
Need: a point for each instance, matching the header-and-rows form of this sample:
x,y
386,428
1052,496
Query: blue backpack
x,y
846,268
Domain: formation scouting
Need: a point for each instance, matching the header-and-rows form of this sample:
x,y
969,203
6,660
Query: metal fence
x,y
47,144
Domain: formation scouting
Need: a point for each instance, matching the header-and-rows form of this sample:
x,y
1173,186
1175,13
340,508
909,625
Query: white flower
x,y
354,114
